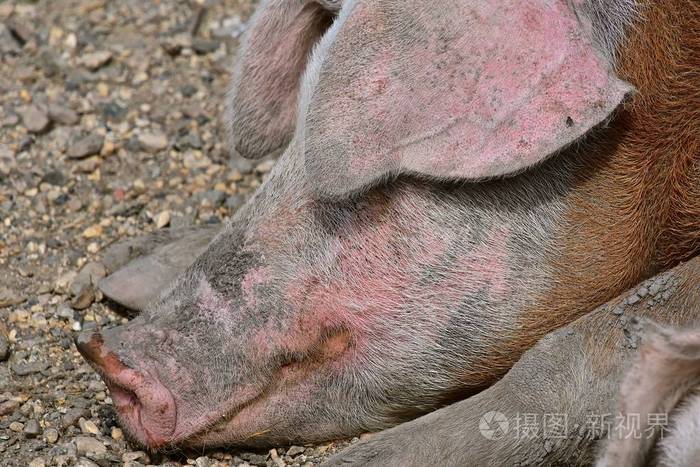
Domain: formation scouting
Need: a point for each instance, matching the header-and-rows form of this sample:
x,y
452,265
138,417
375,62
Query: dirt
x,y
110,128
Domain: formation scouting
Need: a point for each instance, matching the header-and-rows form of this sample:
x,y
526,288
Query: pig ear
x,y
450,90
266,78
141,268
666,369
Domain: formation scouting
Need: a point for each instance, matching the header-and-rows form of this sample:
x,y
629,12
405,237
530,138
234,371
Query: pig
x,y
605,390
458,180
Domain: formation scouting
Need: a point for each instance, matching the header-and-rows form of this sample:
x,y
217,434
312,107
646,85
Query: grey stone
x,y
255,459
72,416
215,197
83,462
294,451
188,90
23,31
95,60
28,368
51,435
204,46
32,428
244,166
63,115
82,289
86,146
138,456
89,445
153,142
54,177
112,112
7,407
35,119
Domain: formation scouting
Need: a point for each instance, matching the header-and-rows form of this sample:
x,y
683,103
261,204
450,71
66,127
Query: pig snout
x,y
144,405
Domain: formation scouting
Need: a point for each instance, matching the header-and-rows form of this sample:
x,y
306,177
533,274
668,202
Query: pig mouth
x,y
146,408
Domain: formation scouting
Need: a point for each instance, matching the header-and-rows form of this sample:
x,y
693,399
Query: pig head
x,y
454,187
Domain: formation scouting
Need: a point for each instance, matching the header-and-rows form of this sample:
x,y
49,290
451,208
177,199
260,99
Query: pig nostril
x,y
122,396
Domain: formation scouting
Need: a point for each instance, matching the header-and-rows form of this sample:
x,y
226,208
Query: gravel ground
x,y
110,127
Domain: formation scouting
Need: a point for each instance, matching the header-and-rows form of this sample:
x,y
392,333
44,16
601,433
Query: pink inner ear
x,y
462,89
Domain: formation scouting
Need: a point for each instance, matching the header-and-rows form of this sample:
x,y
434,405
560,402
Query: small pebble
x,y
63,115
35,119
93,61
54,177
88,427
93,231
84,299
163,219
265,167
275,458
86,146
72,416
51,435
32,428
138,456
234,202
153,142
89,445
294,451
16,426
83,462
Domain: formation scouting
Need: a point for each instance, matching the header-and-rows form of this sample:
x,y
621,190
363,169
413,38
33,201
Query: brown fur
x,y
637,209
